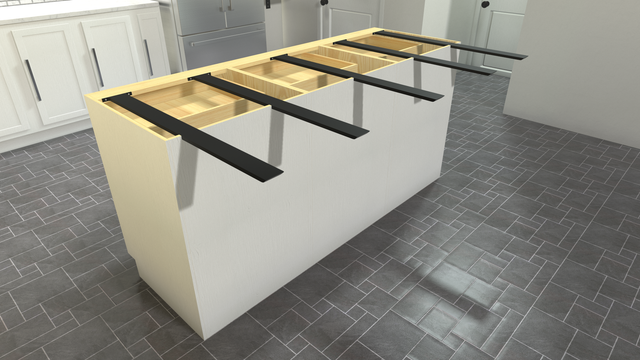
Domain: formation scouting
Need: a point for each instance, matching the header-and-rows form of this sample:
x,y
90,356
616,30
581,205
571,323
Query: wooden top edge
x,y
178,78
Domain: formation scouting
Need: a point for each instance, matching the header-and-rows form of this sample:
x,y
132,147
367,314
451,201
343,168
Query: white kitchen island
x,y
213,241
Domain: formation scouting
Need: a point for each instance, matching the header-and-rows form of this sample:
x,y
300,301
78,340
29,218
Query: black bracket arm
x,y
387,85
323,121
504,54
235,157
424,59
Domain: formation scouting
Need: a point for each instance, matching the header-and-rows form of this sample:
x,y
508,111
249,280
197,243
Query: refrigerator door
x,y
198,16
224,45
243,12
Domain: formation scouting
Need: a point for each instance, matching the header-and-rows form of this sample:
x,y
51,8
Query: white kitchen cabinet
x,y
113,51
51,58
50,61
154,46
13,120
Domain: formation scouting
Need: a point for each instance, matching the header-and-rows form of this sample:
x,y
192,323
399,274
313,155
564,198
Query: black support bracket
x,y
387,85
315,118
217,148
424,59
503,54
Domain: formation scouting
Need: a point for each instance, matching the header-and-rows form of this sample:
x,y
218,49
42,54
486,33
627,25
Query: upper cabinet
x,y
48,56
113,52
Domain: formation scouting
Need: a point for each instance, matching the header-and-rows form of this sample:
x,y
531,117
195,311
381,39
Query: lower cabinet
x,y
49,58
113,52
49,65
13,119
154,47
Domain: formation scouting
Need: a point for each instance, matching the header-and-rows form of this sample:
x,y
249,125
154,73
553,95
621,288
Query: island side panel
x,y
140,180
245,239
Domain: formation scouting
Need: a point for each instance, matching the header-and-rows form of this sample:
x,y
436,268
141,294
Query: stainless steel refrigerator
x,y
205,32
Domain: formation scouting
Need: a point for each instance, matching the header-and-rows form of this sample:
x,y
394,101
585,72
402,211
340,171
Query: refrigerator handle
x,y
230,6
222,5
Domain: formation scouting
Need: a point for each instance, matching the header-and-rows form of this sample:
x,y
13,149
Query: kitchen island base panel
x,y
214,242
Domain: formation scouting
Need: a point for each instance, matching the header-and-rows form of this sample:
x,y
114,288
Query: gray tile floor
x,y
526,248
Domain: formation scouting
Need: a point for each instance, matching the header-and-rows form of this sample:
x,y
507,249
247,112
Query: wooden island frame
x,y
212,241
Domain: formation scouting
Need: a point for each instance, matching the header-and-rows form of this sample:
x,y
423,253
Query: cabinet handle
x,y
230,8
93,50
146,46
222,5
33,79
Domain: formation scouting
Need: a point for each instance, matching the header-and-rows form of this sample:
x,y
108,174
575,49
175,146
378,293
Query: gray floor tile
x,y
515,350
372,241
388,276
447,281
313,284
584,320
82,342
587,348
357,352
133,307
416,304
477,325
545,334
377,302
339,259
489,239
327,329
430,348
467,351
235,341
392,337
114,351
273,349
519,272
494,344
579,279
624,351
623,322
464,256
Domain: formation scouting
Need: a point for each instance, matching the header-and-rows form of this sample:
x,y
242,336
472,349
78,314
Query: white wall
x,y
448,19
582,71
404,15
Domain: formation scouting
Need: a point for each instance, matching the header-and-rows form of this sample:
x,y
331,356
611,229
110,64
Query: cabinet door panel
x,y
50,62
11,119
155,52
113,51
243,12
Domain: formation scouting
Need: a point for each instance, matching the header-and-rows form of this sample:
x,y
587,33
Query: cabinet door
x,y
155,49
50,62
113,51
11,120
243,12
